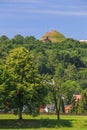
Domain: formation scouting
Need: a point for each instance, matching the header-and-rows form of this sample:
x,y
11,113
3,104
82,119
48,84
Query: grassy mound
x,y
53,36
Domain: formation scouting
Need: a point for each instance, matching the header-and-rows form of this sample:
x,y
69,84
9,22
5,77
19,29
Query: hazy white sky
x,y
36,17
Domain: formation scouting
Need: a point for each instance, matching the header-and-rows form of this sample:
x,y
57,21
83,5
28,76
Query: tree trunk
x,y
20,113
20,104
58,112
56,106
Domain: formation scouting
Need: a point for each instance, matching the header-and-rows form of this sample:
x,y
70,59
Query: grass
x,y
43,122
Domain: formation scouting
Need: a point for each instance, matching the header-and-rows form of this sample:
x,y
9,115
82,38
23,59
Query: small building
x,y
77,97
67,108
46,39
41,109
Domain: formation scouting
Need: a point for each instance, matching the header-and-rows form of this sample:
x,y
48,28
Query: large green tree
x,y
25,86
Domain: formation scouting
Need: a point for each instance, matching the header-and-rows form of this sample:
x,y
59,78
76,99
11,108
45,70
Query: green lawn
x,y
43,122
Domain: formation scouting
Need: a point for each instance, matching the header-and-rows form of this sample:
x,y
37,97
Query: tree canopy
x,y
24,61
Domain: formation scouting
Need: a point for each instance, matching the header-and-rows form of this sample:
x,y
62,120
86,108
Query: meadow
x,y
43,122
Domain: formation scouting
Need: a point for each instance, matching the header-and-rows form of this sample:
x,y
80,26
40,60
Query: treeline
x,y
61,67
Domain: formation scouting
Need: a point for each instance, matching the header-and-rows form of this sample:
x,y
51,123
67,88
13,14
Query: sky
x,y
36,17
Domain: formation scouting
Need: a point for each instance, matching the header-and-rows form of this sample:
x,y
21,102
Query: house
x,y
67,108
49,108
46,39
41,109
77,97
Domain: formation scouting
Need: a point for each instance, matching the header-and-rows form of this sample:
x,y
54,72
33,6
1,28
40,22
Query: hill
x,y
53,36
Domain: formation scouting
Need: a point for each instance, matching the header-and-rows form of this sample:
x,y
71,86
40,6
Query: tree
x,y
63,89
56,90
70,73
3,39
69,89
29,39
70,85
2,83
25,86
83,78
18,39
82,106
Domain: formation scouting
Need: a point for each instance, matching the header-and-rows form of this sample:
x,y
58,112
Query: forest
x,y
34,73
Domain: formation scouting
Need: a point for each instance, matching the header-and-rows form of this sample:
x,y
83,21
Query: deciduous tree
x,y
25,86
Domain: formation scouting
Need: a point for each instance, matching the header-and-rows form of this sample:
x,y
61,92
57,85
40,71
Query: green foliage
x,y
18,39
29,39
70,72
82,108
3,39
27,58
24,84
69,89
